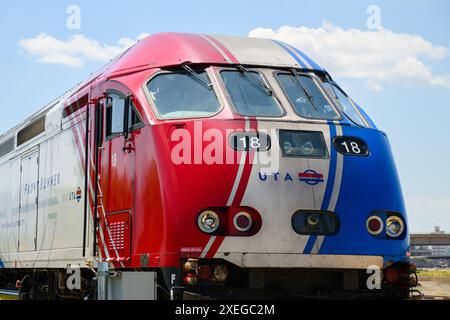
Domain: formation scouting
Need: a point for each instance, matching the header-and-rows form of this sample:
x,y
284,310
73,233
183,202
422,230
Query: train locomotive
x,y
223,166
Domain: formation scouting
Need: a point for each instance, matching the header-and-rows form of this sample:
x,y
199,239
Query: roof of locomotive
x,y
171,49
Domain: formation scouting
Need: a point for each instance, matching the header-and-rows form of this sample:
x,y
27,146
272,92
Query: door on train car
x,y
29,196
116,175
117,169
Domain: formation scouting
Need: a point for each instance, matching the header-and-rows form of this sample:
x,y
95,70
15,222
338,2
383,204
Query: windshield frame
x,y
319,86
154,107
265,81
363,118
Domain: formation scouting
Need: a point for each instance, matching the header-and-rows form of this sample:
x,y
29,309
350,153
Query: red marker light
x,y
374,225
242,221
392,275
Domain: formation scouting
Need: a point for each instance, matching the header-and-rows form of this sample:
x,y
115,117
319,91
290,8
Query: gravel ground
x,y
434,289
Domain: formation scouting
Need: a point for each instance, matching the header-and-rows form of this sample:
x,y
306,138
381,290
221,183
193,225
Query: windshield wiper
x,y
300,83
254,80
197,77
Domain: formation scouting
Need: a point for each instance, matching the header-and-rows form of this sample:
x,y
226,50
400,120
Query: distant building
x,y
424,256
421,251
440,250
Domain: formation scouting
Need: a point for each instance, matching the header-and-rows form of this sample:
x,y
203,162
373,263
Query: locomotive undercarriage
x,y
240,283
46,284
300,283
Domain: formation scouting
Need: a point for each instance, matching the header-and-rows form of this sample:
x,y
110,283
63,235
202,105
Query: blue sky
x,y
412,107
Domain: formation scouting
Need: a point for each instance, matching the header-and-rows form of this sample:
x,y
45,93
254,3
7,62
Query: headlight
x,y
303,144
305,222
308,148
208,221
394,226
287,147
313,219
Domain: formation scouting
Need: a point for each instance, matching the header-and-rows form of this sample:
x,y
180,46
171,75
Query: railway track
x,y
436,298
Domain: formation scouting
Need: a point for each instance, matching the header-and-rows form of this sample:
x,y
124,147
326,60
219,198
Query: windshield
x,y
306,97
250,98
180,95
345,104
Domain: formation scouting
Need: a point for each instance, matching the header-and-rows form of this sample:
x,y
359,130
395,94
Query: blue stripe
x,y
329,187
1,264
284,46
310,61
331,171
310,244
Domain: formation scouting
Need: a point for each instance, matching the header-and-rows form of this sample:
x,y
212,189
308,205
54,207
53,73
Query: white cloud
x,y
375,56
75,50
61,59
425,212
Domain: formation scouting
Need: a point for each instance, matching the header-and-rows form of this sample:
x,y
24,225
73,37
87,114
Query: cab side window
x,y
121,115
115,112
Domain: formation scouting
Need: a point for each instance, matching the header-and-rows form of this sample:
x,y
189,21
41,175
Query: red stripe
x,y
243,183
247,170
77,140
310,175
214,247
223,48
80,146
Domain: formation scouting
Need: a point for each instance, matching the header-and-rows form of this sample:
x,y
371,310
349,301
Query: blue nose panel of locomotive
x,y
368,184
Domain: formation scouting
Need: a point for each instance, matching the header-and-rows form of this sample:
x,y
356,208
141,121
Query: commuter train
x,y
223,166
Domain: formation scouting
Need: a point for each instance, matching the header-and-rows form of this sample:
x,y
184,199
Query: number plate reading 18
x,y
250,141
351,146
